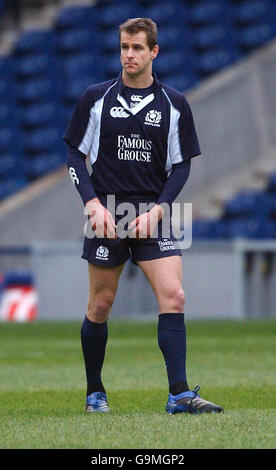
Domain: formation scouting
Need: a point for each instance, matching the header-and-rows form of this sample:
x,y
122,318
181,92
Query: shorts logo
x,y
118,112
73,175
166,245
102,253
153,118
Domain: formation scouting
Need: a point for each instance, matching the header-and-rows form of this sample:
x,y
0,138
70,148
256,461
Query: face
x,y
136,56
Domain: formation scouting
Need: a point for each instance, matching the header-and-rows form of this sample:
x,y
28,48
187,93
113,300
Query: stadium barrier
x,y
234,279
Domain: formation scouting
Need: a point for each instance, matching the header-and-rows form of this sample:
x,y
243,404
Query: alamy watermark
x,y
176,221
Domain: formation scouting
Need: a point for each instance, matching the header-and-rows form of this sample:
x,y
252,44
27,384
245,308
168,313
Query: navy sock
x,y
172,342
93,340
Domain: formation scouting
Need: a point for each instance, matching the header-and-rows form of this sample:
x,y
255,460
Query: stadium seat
x,y
112,15
35,90
110,41
39,115
251,11
43,164
182,81
166,13
76,16
211,12
85,62
169,62
75,88
9,139
112,65
211,61
33,41
256,35
170,37
207,229
41,140
7,118
10,166
6,79
33,66
251,228
80,39
208,37
11,186
246,204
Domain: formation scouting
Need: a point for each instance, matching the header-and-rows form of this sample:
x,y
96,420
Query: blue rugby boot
x,y
190,402
97,402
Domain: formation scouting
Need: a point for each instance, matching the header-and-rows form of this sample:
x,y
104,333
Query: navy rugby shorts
x,y
114,252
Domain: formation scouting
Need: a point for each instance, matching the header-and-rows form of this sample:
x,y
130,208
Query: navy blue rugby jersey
x,y
132,147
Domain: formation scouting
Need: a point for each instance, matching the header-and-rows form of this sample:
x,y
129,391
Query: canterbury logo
x,y
136,98
73,175
118,112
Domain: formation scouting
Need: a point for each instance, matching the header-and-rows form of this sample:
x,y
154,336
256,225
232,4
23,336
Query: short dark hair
x,y
134,25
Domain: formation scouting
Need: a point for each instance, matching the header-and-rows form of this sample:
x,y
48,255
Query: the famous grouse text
x,y
134,148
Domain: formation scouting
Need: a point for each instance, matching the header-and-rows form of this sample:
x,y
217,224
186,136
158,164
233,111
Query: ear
x,y
154,51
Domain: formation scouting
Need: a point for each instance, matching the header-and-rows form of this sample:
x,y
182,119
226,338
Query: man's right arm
x,y
101,219
79,174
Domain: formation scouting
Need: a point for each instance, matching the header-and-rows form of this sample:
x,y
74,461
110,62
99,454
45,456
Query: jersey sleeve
x,y
183,141
79,131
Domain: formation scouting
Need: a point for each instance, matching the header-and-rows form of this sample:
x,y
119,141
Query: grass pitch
x,y
42,388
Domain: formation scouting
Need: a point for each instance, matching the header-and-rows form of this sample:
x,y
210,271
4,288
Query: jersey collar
x,y
148,99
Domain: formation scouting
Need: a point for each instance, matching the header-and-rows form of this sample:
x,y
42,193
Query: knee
x,y
99,307
175,300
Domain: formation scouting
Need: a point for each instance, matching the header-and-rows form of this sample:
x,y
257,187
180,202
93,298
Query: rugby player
x,y
140,136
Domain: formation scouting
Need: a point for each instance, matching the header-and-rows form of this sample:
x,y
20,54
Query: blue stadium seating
x,y
112,15
10,166
169,62
41,140
207,13
35,90
166,14
49,69
32,66
11,186
207,229
88,63
251,228
8,139
251,11
110,41
75,88
182,81
43,164
256,35
78,39
246,204
76,16
173,37
39,115
33,41
209,37
211,61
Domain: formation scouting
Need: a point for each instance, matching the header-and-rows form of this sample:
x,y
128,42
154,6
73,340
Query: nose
x,y
130,52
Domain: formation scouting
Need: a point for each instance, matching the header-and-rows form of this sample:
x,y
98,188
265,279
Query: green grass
x,y
42,388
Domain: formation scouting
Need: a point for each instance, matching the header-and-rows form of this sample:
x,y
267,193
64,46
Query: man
x,y
136,131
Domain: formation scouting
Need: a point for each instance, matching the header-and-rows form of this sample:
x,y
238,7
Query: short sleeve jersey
x,y
133,139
